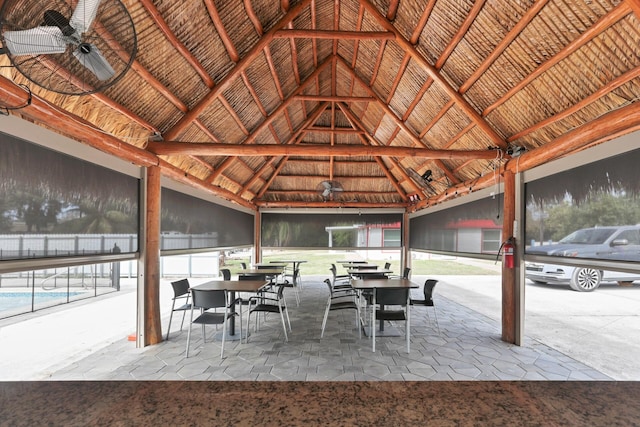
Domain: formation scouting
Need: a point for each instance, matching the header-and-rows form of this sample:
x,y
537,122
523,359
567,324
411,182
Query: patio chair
x,y
389,300
293,284
339,280
269,302
341,300
429,284
180,296
206,300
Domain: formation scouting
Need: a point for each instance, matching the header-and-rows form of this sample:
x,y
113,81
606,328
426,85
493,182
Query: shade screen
x,y
331,230
474,227
188,222
567,213
55,205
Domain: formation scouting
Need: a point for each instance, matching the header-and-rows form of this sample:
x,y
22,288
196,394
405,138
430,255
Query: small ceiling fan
x,y
73,52
327,188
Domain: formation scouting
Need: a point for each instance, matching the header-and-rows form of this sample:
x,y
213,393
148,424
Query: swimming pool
x,y
18,300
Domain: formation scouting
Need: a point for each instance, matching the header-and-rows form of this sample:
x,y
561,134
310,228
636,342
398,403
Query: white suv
x,y
612,243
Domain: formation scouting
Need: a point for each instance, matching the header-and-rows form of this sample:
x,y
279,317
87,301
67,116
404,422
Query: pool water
x,y
15,300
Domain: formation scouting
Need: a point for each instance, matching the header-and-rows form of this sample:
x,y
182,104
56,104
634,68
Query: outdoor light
x,y
427,176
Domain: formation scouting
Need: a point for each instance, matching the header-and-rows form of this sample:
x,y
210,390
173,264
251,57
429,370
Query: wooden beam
x,y
422,22
234,73
356,122
600,26
180,175
336,130
222,31
72,126
610,125
616,122
435,75
334,98
333,34
635,6
208,149
161,24
327,204
462,31
267,122
603,91
504,44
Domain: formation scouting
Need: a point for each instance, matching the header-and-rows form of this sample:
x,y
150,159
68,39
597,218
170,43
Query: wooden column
x,y
257,235
405,256
509,302
151,259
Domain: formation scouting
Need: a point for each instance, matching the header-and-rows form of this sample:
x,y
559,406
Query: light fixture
x,y
515,150
427,176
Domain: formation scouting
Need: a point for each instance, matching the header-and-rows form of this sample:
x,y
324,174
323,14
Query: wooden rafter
x,y
603,91
455,40
399,122
368,140
267,122
241,66
426,13
173,40
333,34
603,24
435,75
503,45
222,31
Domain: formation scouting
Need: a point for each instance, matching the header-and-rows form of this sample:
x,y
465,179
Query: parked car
x,y
620,243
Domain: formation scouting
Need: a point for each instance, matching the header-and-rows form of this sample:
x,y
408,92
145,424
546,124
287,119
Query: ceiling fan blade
x,y
35,41
326,192
84,14
337,189
91,58
326,184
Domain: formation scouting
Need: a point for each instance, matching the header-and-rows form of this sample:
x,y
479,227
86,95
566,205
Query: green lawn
x,y
318,263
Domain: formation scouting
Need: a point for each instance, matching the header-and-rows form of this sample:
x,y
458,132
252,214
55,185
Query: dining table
x,y
363,272
295,263
361,285
361,266
232,286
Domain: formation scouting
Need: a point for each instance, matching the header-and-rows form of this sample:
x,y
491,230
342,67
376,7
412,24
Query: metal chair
x,y
341,300
269,302
205,300
386,297
429,284
293,283
226,273
339,280
181,296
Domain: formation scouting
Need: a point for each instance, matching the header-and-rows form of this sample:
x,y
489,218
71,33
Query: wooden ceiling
x,y
259,101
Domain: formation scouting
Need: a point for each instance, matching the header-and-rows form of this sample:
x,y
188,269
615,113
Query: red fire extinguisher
x,y
508,252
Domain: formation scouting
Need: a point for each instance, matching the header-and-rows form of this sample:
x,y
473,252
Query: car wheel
x,y
585,279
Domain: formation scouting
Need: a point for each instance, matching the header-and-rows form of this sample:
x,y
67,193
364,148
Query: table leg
x,y
232,321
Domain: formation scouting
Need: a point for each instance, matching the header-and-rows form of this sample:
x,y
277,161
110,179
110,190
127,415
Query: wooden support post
x,y
509,305
151,261
257,236
405,255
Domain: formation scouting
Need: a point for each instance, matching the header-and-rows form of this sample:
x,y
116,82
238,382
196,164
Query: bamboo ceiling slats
x,y
371,76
